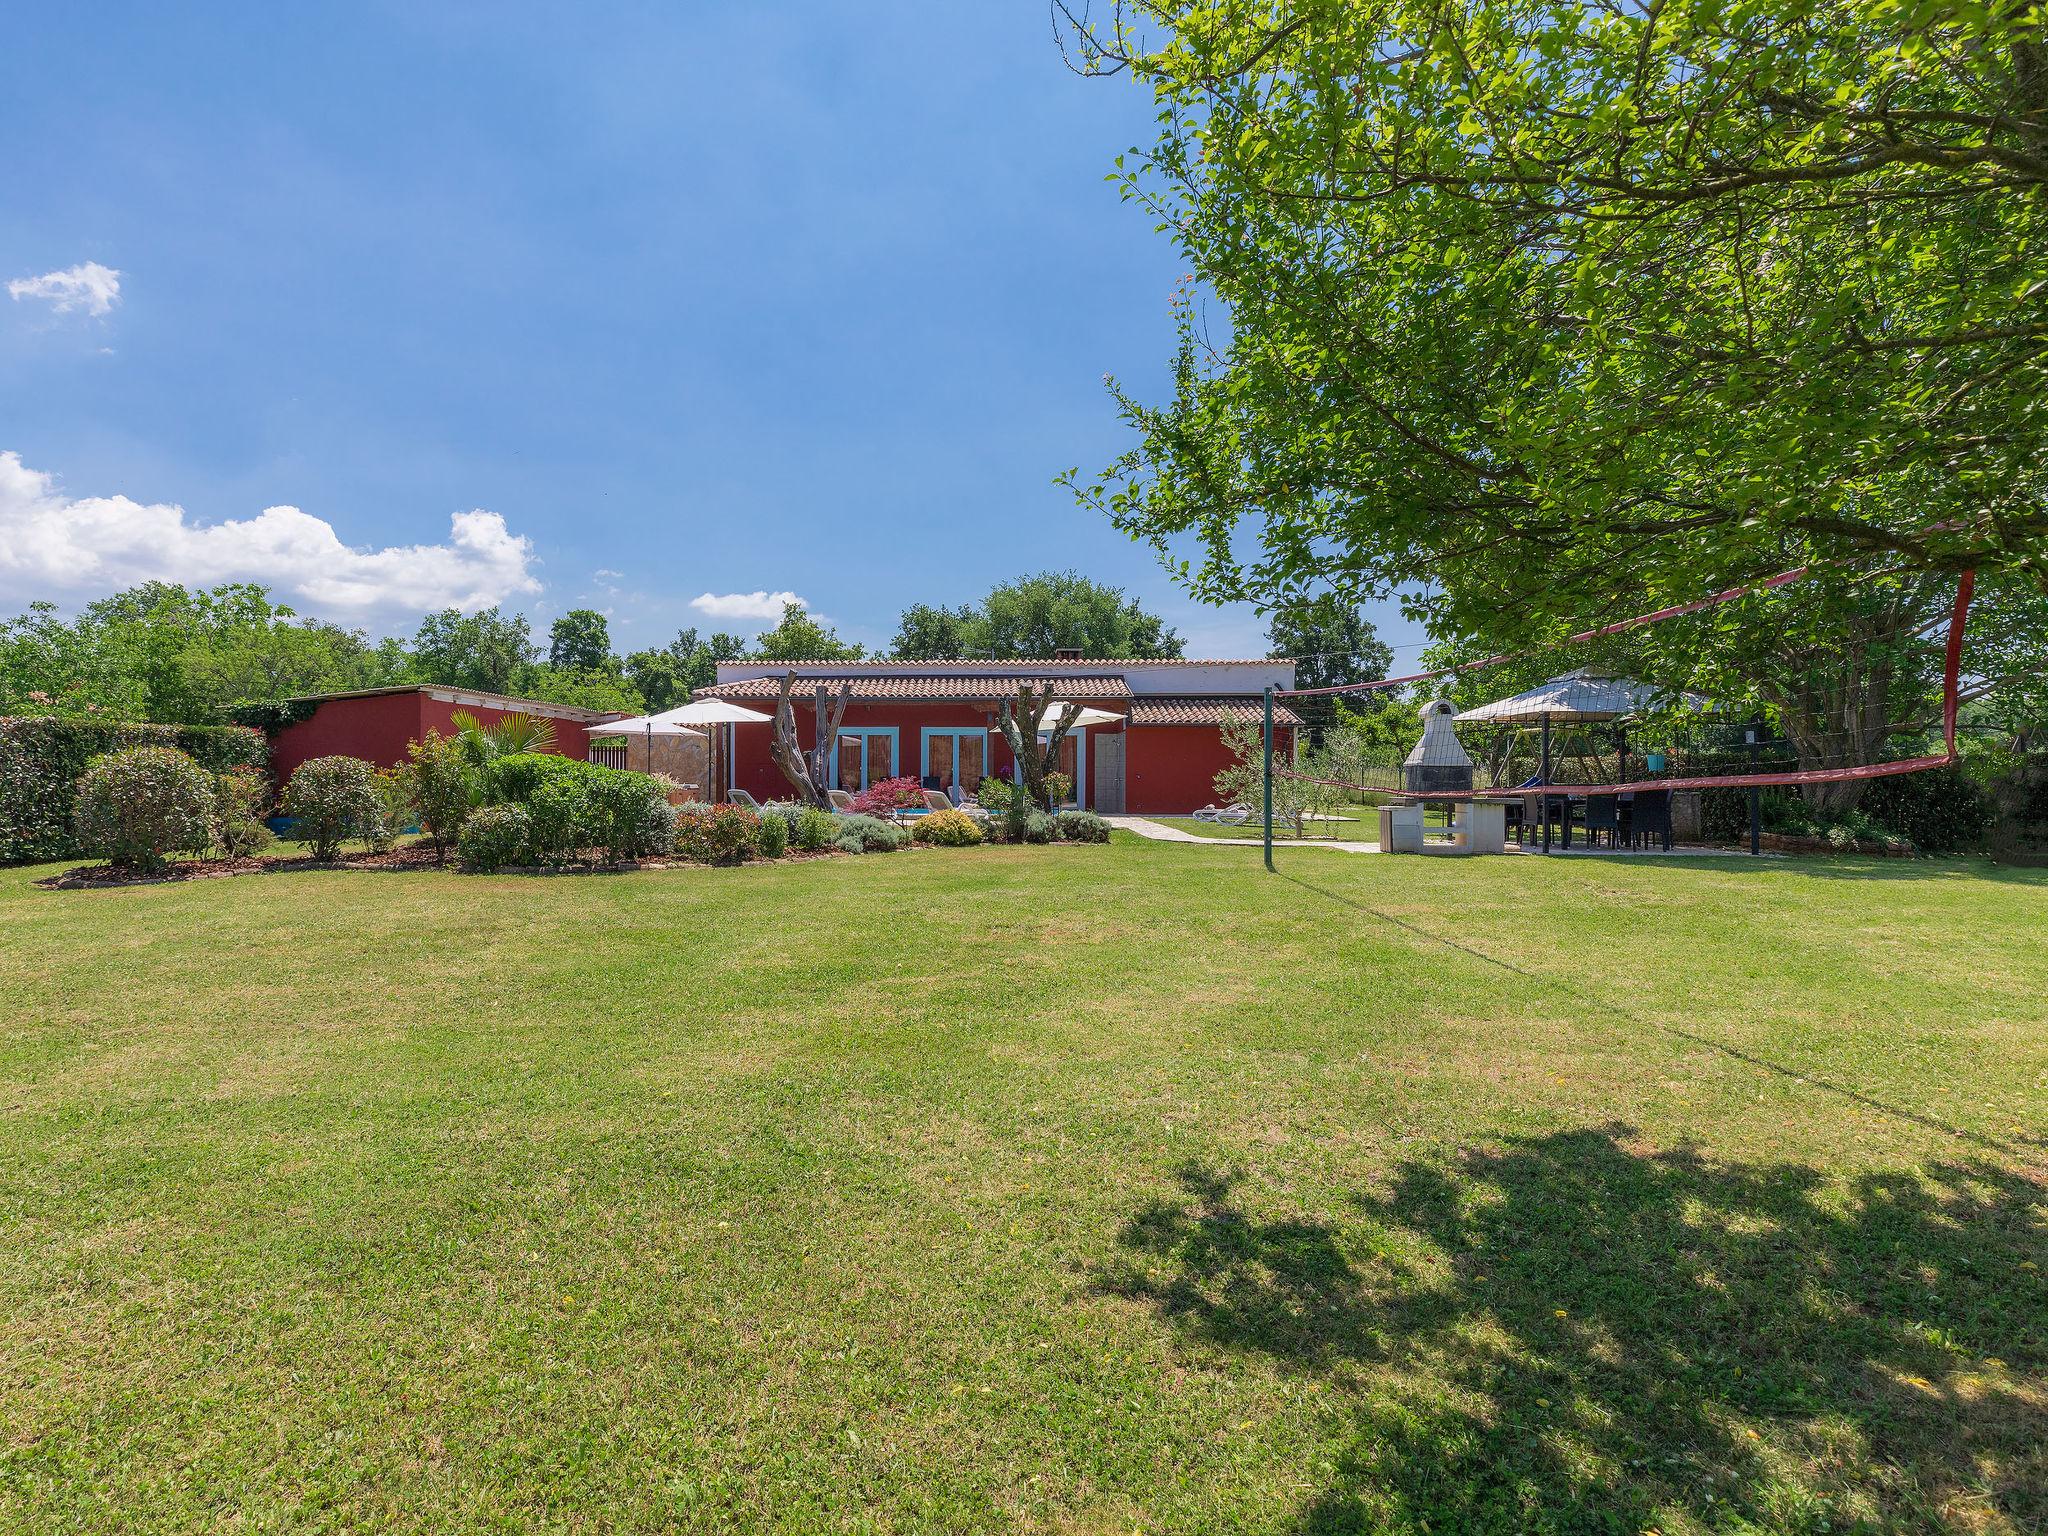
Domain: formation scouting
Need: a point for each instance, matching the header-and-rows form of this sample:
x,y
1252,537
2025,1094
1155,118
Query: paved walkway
x,y
1159,832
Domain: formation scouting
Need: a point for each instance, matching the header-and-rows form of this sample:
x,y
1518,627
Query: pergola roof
x,y
1581,697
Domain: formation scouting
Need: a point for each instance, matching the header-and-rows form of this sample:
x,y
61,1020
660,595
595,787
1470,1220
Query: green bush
x,y
717,834
993,794
334,799
558,818
629,816
240,797
869,834
493,838
1040,828
443,787
947,829
1942,810
42,760
771,839
816,830
1082,827
138,807
394,809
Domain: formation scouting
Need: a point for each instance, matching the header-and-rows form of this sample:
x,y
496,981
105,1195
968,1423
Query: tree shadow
x,y
1575,1333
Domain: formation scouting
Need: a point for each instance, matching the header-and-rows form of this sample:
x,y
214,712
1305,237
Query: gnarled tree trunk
x,y
1022,719
810,773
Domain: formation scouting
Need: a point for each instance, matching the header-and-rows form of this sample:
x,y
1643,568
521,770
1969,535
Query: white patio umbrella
x,y
648,726
1084,715
716,712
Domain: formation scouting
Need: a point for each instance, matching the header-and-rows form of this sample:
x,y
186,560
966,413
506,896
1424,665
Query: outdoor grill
x,y
1439,762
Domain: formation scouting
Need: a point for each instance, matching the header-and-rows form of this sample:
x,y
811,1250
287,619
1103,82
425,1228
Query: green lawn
x,y
1064,1190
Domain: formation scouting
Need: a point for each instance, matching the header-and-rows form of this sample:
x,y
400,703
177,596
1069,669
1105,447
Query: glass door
x,y
956,757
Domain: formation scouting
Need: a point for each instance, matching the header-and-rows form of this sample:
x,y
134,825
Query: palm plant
x,y
512,733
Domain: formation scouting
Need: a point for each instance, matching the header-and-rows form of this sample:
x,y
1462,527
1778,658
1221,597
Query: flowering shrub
x,y
717,834
333,799
1081,827
886,795
993,794
240,797
42,759
948,829
493,838
138,807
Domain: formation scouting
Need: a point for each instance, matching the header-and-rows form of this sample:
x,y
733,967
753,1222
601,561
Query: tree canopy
x,y
800,637
1543,312
1037,616
580,641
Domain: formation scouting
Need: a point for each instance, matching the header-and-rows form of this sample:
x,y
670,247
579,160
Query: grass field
x,y
1068,1190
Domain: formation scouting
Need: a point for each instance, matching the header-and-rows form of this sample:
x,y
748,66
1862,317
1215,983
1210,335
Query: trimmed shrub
x,y
137,808
628,814
870,833
888,795
443,787
771,837
42,760
716,834
557,816
1040,828
816,830
240,797
1081,827
947,829
492,838
333,799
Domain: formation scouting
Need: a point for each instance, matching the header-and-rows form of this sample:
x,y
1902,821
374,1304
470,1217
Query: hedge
x,y
42,760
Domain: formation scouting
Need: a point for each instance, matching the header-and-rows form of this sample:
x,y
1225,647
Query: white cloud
x,y
87,286
52,543
601,574
764,606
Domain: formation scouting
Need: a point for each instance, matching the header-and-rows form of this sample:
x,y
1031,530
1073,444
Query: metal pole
x,y
1544,775
1269,777
1756,800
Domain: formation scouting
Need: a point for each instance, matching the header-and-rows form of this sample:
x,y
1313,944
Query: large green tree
x,y
487,649
667,677
161,652
1037,616
1552,311
581,641
800,637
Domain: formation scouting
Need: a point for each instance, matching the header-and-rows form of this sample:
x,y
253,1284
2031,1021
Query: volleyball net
x,y
1577,723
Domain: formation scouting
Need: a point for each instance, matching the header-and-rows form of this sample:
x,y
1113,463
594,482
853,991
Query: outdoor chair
x,y
1603,814
741,797
841,801
1233,815
1651,819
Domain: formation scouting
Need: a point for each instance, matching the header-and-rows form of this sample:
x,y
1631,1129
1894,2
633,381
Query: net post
x,y
1756,794
1268,817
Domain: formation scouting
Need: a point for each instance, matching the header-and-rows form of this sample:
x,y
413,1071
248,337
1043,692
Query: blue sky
x,y
684,300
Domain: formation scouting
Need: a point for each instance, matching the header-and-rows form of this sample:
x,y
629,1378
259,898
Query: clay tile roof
x,y
964,690
1204,711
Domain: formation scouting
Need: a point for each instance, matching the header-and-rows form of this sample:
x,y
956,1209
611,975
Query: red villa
x,y
939,721
378,724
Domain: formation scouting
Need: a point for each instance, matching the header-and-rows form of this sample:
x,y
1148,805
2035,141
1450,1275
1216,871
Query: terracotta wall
x,y
1171,769
380,727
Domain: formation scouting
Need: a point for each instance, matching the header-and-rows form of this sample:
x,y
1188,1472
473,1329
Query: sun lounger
x,y
841,801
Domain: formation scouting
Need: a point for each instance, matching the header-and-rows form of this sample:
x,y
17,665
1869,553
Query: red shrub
x,y
879,799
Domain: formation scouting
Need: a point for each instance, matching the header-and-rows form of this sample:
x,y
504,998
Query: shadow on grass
x,y
1570,1333
2012,1148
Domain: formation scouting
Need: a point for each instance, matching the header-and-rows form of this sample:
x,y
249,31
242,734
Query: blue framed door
x,y
955,756
866,756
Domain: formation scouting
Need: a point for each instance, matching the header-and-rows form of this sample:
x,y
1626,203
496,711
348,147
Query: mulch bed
x,y
93,877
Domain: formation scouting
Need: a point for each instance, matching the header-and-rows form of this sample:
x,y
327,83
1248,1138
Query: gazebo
x,y
1580,698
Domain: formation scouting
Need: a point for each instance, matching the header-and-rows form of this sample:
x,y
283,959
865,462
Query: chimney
x,y
1067,653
